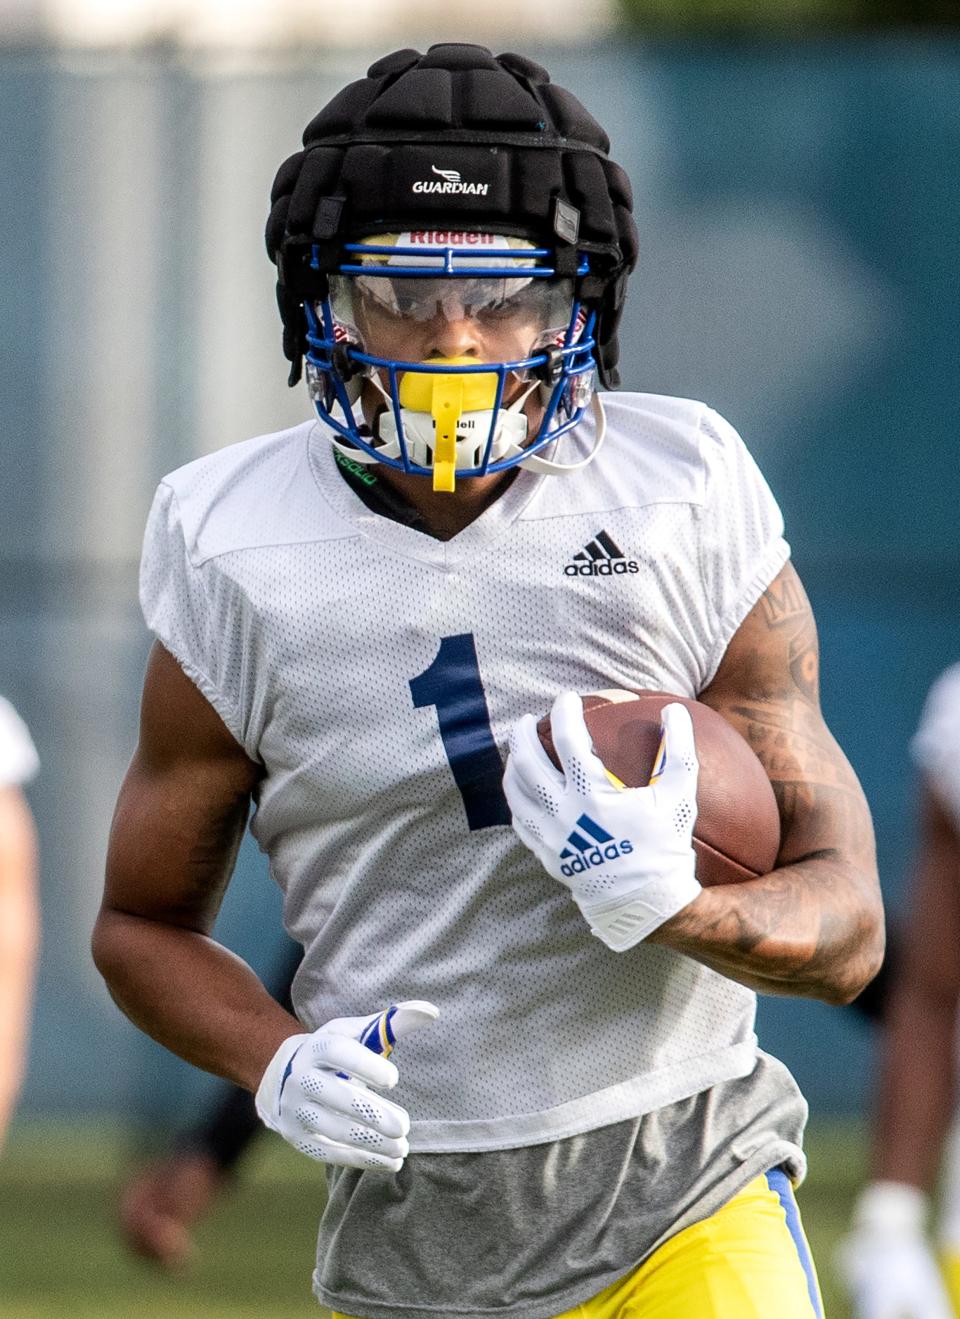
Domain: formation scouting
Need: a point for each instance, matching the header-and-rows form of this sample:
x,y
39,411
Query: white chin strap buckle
x,y
446,437
473,431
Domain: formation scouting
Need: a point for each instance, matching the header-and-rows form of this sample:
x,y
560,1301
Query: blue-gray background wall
x,y
798,212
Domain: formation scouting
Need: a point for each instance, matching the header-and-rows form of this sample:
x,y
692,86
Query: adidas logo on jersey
x,y
582,854
602,557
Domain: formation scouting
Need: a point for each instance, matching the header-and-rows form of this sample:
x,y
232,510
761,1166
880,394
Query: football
x,y
737,834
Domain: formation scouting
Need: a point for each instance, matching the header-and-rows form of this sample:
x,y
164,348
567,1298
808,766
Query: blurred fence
x,y
799,247
791,18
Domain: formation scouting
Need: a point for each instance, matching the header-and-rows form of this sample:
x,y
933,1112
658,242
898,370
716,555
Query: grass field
x,y
60,1255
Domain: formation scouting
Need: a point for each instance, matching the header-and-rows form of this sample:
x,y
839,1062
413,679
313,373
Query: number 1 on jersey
x,y
452,683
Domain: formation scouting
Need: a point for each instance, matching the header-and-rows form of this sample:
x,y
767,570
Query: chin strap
x,y
548,467
432,407
389,447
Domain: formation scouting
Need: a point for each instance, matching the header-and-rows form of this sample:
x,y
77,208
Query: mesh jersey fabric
x,y
18,756
936,743
311,624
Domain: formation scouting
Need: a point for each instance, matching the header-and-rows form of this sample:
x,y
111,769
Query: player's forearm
x,y
192,995
18,942
813,929
916,1085
19,937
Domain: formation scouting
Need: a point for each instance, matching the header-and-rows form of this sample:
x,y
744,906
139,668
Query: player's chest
x,y
592,578
379,667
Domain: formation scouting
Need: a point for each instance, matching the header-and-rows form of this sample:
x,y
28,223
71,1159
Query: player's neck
x,y
445,513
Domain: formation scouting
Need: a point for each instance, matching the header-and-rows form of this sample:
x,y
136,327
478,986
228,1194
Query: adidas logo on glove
x,y
603,848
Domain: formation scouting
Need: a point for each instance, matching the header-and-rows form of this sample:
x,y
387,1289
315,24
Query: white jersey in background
x,y
936,744
376,672
18,756
936,751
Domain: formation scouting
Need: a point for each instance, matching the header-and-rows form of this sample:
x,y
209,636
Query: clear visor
x,y
538,303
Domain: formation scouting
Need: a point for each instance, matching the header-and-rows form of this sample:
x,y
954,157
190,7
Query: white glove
x,y
889,1268
314,1092
625,854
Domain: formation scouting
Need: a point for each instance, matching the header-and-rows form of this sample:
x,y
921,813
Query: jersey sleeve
x,y
195,612
936,744
18,756
742,547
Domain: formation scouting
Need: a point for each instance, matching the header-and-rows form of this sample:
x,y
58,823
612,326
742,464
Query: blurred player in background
x,y
19,918
162,1202
351,616
888,1260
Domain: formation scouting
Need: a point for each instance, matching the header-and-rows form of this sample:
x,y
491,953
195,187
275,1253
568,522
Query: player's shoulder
x,y
18,756
945,689
683,428
934,745
252,494
940,721
661,449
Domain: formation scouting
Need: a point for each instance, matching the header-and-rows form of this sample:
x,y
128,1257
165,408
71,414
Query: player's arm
x,y
814,925
886,1259
173,843
19,935
916,1083
177,827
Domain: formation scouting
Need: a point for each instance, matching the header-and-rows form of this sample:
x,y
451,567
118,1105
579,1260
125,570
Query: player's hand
x,y
316,1090
625,854
162,1202
889,1268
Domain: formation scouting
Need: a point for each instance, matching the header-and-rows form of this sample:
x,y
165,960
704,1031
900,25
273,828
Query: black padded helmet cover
x,y
462,138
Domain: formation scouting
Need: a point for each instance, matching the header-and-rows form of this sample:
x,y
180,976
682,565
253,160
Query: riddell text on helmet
x,y
453,237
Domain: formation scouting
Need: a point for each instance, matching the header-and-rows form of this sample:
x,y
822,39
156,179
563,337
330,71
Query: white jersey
x,y
936,744
18,756
376,672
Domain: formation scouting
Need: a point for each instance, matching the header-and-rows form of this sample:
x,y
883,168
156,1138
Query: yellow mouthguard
x,y
447,398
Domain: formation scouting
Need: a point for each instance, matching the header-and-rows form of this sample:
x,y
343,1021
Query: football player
x,y
19,919
354,617
887,1260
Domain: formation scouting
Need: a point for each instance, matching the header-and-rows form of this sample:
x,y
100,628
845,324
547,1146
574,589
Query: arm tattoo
x,y
787,609
811,925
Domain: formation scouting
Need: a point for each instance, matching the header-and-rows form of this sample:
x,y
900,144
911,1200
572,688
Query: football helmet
x,y
535,262
446,416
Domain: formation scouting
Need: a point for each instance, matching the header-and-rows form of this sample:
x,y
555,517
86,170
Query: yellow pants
x,y
749,1260
950,1263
